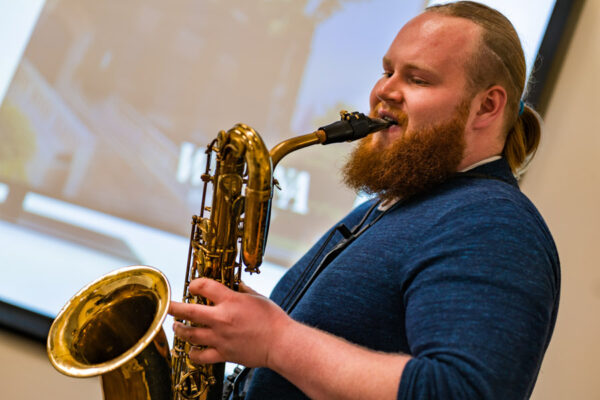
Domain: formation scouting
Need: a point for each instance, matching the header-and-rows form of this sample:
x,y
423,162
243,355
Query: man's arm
x,y
249,329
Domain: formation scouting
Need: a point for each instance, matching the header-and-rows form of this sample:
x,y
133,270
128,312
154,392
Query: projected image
x,y
113,104
104,124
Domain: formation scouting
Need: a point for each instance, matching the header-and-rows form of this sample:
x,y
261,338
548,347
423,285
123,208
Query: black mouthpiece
x,y
353,126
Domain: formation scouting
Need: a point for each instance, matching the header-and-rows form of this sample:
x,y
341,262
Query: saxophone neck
x,y
296,143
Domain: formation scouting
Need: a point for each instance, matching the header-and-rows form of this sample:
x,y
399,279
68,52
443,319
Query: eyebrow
x,y
410,66
386,61
423,68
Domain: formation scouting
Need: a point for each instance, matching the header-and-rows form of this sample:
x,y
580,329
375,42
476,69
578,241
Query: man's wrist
x,y
282,336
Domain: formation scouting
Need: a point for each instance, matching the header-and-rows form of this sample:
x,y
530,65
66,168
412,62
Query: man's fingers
x,y
198,336
196,313
209,288
205,356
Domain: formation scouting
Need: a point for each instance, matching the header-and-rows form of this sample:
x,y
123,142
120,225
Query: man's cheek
x,y
375,106
374,101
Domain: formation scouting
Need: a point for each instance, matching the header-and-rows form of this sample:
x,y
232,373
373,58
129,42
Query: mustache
x,y
399,117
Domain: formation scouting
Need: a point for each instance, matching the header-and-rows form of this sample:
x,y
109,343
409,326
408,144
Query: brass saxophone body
x,y
113,326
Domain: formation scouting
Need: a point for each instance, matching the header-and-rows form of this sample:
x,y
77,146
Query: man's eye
x,y
417,81
387,74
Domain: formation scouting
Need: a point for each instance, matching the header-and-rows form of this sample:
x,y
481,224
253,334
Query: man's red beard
x,y
416,162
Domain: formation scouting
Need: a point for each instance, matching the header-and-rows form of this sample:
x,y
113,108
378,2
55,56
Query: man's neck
x,y
386,204
481,162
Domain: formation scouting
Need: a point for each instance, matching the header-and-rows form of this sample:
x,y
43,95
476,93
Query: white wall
x,y
564,182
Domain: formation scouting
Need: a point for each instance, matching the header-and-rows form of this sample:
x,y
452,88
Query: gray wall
x,y
564,182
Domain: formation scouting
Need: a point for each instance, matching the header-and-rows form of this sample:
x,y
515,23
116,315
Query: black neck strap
x,y
349,237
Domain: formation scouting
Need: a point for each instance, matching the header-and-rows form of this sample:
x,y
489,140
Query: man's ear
x,y
489,108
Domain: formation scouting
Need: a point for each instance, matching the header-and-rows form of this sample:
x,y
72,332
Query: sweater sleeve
x,y
480,301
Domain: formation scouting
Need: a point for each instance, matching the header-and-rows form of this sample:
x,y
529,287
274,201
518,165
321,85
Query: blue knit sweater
x,y
465,279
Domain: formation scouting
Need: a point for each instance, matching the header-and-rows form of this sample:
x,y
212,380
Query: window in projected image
x,y
107,108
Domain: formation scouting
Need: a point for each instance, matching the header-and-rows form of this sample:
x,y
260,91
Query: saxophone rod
x,y
352,126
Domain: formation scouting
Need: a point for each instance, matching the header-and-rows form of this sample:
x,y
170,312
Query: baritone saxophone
x,y
113,326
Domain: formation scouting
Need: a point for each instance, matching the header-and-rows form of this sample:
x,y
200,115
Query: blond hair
x,y
499,60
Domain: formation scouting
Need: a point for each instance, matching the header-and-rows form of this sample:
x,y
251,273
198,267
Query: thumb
x,y
243,288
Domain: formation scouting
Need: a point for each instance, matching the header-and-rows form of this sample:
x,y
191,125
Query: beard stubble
x,y
415,163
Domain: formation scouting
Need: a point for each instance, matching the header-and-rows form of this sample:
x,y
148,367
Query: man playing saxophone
x,y
445,286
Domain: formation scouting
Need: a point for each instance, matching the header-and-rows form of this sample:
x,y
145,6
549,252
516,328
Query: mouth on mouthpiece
x,y
390,120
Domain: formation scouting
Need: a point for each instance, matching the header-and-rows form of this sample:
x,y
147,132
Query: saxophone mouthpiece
x,y
353,126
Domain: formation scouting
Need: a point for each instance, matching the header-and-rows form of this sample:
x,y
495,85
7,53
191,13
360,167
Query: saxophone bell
x,y
113,328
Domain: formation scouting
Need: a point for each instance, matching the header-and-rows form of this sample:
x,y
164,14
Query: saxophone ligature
x,y
113,326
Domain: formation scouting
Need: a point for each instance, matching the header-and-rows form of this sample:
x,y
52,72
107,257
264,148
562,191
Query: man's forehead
x,y
432,24
437,34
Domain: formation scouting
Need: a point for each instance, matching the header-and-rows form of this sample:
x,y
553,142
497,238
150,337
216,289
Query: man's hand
x,y
247,328
240,327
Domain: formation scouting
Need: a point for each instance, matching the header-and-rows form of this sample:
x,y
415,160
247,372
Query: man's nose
x,y
390,91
